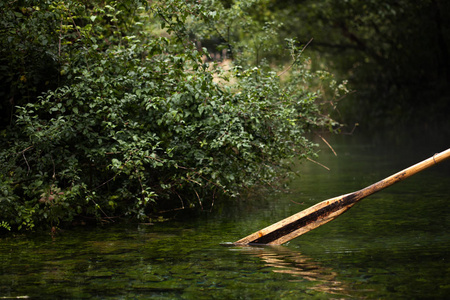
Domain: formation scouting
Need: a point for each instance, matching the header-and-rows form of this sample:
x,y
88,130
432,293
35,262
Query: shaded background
x,y
395,55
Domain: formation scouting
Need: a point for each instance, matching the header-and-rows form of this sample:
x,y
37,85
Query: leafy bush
x,y
141,123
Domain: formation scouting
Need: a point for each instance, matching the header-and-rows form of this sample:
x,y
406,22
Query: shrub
x,y
141,123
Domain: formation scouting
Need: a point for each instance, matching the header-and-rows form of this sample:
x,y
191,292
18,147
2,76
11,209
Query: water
x,y
392,245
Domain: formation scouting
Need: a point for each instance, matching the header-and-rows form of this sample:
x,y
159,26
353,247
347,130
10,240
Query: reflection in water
x,y
287,261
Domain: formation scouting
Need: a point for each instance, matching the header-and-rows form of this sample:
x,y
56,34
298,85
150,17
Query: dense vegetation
x,y
111,109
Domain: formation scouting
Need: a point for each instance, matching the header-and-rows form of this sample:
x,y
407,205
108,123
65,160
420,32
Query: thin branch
x,y
112,178
174,209
99,207
299,203
60,38
199,201
24,157
54,167
353,129
26,149
213,198
192,180
325,141
201,176
154,158
177,33
140,183
318,163
295,59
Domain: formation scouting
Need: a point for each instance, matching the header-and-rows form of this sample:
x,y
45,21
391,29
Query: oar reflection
x,y
287,261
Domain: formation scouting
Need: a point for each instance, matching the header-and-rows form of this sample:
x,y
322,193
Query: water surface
x,y
392,245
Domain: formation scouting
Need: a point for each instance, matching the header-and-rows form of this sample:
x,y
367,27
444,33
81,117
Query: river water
x,y
392,245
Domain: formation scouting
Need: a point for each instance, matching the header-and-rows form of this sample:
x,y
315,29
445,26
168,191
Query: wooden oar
x,y
325,211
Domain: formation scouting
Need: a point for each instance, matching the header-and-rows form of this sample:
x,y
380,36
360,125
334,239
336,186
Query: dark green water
x,y
392,245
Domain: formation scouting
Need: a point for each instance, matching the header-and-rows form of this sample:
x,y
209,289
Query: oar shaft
x,y
399,176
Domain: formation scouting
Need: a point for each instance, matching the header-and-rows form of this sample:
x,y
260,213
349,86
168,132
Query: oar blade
x,y
304,229
302,222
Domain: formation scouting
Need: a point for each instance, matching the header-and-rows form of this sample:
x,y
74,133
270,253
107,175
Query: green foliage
x,y
140,123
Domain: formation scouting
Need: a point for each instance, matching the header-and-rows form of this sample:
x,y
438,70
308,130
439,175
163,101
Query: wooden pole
x,y
325,211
